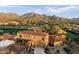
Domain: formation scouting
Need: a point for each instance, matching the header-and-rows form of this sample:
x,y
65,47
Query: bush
x,y
30,50
48,50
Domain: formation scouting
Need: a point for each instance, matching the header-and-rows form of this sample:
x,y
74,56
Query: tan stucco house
x,y
35,38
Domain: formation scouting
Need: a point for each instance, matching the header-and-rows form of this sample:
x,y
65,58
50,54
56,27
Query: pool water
x,y
72,35
10,30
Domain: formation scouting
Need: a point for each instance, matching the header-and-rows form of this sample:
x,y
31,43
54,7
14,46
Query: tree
x,y
57,30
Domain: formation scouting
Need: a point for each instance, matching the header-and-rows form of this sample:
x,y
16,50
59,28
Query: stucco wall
x,y
36,39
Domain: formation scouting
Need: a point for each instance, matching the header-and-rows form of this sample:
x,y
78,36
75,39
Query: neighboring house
x,y
10,47
4,23
17,49
55,40
14,22
5,43
6,37
14,49
35,38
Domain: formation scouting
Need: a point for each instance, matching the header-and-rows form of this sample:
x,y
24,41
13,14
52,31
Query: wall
x,y
36,40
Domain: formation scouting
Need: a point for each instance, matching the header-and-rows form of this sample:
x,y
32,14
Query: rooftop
x,y
6,36
33,33
6,43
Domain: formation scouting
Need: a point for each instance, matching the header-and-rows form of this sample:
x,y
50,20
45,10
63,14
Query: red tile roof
x,y
6,36
34,33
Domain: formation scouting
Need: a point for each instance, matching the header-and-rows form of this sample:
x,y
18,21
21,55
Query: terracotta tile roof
x,y
4,51
34,33
6,36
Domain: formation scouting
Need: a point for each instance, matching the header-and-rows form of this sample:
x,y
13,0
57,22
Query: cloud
x,y
60,10
8,6
4,6
39,11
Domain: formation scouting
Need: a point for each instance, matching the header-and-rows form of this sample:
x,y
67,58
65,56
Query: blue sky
x,y
69,11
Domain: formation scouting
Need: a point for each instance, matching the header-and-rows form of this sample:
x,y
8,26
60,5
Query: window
x,y
28,35
20,40
43,39
20,35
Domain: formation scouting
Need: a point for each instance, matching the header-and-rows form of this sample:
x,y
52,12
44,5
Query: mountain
x,y
30,16
7,16
54,17
34,16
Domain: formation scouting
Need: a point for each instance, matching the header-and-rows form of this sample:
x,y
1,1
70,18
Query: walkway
x,y
39,50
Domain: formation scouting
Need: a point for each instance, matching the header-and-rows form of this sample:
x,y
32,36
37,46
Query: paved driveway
x,y
38,50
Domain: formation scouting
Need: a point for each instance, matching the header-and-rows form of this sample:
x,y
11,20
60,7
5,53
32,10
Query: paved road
x,y
38,50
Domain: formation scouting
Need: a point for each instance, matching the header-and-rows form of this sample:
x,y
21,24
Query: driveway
x,y
38,50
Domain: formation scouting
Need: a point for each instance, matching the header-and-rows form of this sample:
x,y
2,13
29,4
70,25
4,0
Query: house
x,y
40,39
4,51
14,22
17,49
5,43
13,49
56,40
4,23
10,47
6,37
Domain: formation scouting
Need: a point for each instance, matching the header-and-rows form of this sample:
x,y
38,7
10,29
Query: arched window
x,y
43,39
20,35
